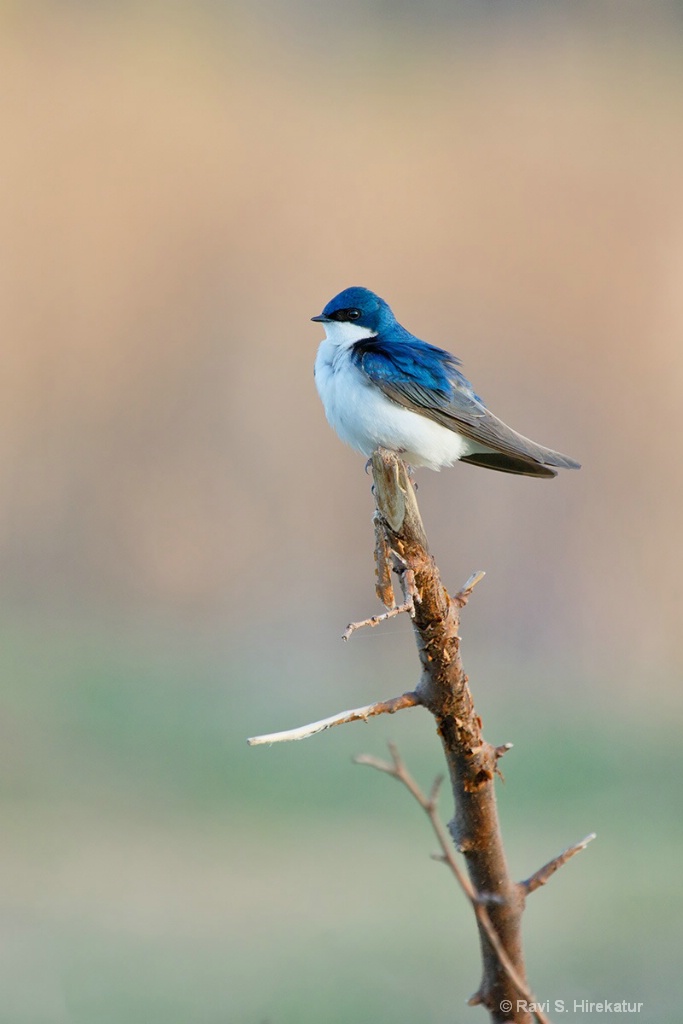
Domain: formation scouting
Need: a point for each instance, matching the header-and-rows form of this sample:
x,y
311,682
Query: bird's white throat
x,y
344,333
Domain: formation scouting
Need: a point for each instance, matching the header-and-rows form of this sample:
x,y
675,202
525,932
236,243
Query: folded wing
x,y
426,380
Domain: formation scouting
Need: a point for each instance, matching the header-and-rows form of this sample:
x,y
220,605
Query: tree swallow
x,y
382,386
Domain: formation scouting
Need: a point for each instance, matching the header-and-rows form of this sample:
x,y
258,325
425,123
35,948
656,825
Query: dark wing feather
x,y
509,464
426,380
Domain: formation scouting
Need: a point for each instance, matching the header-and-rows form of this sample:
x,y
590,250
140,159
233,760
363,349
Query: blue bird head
x,y
358,306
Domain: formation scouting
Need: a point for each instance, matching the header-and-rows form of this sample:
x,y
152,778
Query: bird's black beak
x,y
321,319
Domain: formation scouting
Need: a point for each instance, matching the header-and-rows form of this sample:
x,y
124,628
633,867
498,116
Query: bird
x,y
381,386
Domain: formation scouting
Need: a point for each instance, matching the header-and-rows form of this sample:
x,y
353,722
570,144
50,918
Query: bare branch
x,y
375,620
473,763
383,707
499,752
543,874
434,791
479,901
383,587
463,596
374,762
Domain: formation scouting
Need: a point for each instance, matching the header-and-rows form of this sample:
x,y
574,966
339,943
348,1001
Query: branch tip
x,y
393,750
503,749
434,791
374,762
543,874
382,707
475,578
463,595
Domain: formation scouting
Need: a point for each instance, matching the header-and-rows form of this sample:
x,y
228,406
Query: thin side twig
x,y
398,770
543,874
463,596
383,586
408,606
382,707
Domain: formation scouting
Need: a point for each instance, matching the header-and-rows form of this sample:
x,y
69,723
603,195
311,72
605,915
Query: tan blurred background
x,y
183,538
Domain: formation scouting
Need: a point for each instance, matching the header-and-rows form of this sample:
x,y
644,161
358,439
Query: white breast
x,y
365,418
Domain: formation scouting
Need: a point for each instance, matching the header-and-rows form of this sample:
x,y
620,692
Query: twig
x,y
408,606
543,874
383,586
463,596
499,752
383,707
398,770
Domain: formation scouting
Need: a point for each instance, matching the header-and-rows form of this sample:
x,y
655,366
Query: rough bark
x,y
444,690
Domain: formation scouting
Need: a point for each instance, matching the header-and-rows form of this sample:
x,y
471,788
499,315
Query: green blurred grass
x,y
156,869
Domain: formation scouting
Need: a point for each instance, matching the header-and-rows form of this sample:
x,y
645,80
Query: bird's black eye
x,y
346,314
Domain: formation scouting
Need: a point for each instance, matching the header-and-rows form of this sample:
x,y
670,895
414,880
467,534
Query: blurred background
x,y
183,538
